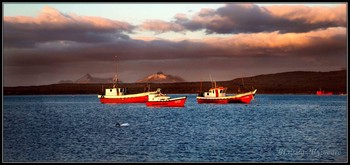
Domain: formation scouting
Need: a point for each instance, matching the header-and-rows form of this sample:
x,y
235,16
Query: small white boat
x,y
159,99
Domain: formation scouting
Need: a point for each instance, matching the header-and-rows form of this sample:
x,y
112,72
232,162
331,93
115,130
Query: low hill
x,y
299,82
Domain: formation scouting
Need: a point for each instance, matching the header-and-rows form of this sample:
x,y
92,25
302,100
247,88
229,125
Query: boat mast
x,y
211,80
116,75
242,79
242,82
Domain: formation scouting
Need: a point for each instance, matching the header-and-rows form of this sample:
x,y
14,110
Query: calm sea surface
x,y
78,128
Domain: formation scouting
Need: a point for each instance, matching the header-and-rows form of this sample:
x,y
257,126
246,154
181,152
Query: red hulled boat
x,y
322,92
118,95
218,95
159,99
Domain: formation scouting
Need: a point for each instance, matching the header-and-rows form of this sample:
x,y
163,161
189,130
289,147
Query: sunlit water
x,y
78,128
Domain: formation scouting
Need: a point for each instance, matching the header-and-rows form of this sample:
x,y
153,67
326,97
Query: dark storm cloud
x,y
125,50
313,45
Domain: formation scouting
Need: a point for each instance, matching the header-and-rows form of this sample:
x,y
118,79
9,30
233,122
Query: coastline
x,y
169,88
299,82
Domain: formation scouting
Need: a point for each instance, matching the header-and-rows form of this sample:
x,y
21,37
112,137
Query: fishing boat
x,y
119,95
322,92
218,95
159,99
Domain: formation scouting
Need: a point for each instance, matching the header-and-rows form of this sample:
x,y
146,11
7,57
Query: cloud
x,y
55,46
315,44
250,18
161,26
52,25
276,44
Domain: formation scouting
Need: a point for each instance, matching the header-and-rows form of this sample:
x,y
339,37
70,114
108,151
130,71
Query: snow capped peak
x,y
156,76
160,77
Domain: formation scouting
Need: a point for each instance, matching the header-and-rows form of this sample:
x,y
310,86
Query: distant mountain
x,y
88,79
160,77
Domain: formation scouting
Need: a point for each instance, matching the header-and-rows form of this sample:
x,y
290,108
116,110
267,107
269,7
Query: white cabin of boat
x,y
115,91
158,96
215,92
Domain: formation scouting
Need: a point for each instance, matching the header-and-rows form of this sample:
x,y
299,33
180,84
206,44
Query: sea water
x,y
78,128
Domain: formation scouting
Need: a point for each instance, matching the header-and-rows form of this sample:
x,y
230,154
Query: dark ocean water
x,y
78,128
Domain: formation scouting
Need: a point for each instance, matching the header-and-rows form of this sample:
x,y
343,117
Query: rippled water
x,y
78,128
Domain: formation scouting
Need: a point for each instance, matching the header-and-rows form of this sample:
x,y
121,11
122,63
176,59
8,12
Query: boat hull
x,y
241,98
320,93
141,99
131,98
175,102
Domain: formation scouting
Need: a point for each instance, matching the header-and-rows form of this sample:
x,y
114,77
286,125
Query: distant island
x,y
158,77
297,82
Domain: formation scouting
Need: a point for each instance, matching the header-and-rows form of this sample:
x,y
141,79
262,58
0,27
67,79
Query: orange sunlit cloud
x,y
276,40
52,25
52,18
161,26
311,15
250,18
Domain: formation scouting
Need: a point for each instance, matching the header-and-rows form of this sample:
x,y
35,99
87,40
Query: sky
x,y
44,43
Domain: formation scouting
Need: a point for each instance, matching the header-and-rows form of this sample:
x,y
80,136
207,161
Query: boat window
x,y
207,93
110,90
220,91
